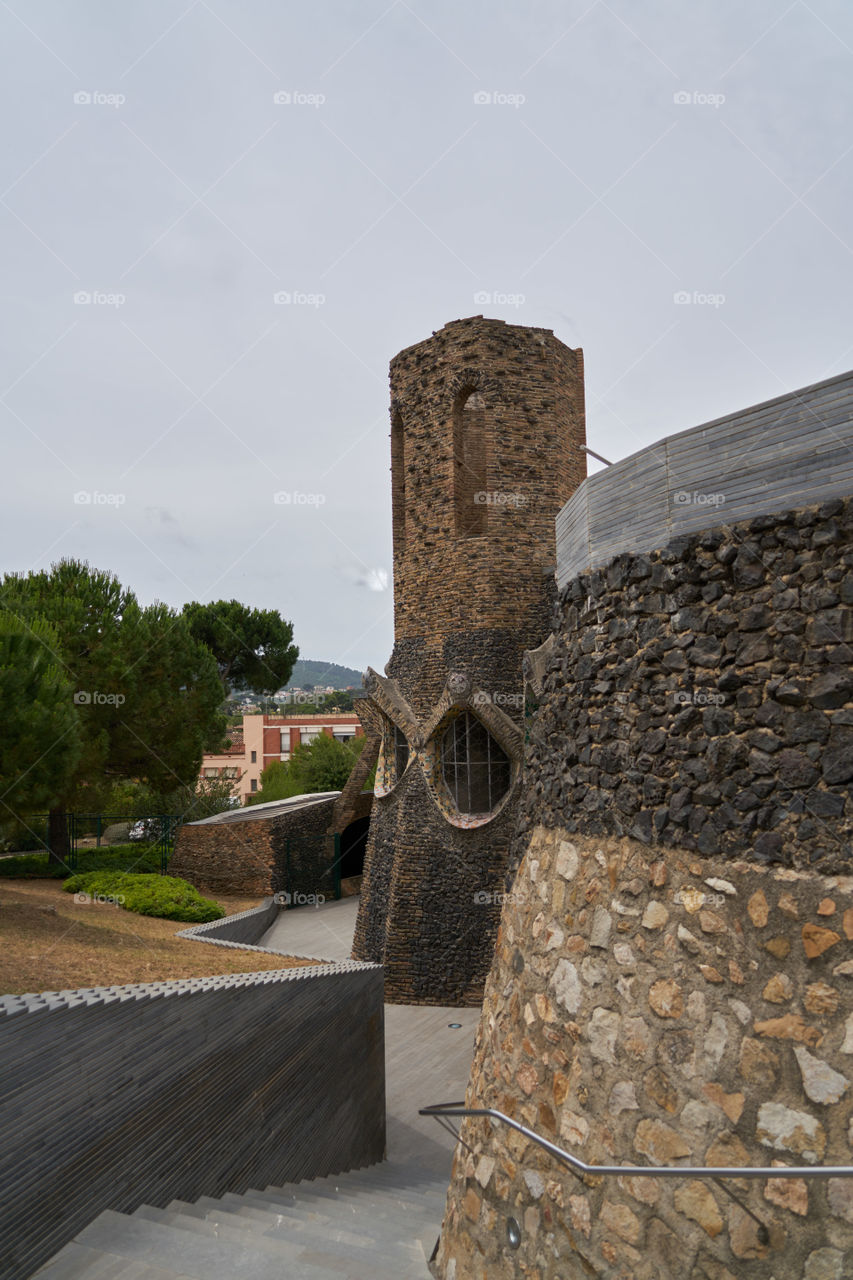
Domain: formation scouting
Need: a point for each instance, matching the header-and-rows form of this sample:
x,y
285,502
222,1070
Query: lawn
x,y
49,942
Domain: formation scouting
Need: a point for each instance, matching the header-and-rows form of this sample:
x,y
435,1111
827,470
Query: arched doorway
x,y
353,845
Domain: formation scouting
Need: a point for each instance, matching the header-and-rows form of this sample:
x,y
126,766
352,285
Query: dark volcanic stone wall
x,y
442,889
468,606
292,851
702,696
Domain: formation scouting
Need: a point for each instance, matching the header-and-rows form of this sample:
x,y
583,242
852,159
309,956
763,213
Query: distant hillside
x,y
323,673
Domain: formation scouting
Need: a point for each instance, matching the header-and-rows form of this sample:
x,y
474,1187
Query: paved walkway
x,y
426,1060
320,933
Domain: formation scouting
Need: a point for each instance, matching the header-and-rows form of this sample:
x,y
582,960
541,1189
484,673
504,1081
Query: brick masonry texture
x,y
667,1009
119,1096
250,856
465,606
701,697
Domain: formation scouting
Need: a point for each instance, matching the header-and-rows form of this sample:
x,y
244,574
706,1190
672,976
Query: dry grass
x,y
48,942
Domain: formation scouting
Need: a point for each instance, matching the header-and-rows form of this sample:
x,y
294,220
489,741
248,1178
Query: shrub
x,y
148,895
25,835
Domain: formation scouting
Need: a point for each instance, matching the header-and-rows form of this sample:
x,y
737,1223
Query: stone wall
x,y
474,587
225,857
247,852
660,1010
701,697
671,983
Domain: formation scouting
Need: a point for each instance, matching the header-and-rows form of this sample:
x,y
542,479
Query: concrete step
x,y
347,1184
335,1247
374,1224
397,1174
235,1226
374,1228
78,1262
187,1253
403,1220
354,1194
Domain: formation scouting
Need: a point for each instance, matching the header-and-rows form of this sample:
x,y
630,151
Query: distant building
x,y
263,739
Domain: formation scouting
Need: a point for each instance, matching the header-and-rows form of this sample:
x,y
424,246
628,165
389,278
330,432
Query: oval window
x,y
475,767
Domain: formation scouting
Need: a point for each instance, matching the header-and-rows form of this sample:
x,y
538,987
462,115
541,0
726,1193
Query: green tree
x,y
147,694
252,647
40,743
202,798
322,765
340,701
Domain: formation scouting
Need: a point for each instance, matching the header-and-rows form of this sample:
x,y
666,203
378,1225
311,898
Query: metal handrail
x,y
441,1109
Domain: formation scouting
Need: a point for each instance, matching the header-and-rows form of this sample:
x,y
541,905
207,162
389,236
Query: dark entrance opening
x,y
353,844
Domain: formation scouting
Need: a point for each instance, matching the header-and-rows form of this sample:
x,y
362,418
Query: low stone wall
x,y
245,853
701,696
659,1010
253,851
118,1096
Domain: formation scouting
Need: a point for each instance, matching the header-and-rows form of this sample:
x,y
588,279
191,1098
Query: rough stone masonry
x,y
487,424
673,978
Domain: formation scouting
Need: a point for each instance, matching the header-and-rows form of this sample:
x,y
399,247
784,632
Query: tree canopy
x,y
253,647
321,765
40,744
145,693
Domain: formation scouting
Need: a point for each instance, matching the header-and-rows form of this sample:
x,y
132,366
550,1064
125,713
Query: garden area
x,y
52,942
113,921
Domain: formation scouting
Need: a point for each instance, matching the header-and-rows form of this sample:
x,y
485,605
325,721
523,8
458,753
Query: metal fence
x,y
154,831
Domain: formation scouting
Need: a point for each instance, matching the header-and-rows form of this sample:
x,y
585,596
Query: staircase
x,y
379,1223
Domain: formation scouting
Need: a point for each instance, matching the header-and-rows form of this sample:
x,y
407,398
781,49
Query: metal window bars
x,y
476,769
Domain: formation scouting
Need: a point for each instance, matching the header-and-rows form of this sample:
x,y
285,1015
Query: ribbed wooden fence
x,y
788,452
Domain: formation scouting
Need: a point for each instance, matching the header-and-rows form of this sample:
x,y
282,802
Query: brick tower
x,y
487,420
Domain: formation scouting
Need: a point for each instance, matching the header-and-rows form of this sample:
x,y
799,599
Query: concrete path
x,y
426,1060
319,933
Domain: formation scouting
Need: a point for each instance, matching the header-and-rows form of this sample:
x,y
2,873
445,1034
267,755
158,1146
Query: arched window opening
x,y
470,466
476,768
393,758
401,751
398,482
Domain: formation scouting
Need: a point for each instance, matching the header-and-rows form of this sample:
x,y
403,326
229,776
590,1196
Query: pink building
x,y
265,738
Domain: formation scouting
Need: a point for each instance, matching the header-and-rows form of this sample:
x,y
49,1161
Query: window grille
x,y
401,752
476,769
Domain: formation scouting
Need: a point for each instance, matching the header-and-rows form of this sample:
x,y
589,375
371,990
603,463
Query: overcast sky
x,y
585,162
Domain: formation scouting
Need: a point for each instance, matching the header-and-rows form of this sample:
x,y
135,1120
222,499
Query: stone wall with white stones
x,y
673,977
660,1009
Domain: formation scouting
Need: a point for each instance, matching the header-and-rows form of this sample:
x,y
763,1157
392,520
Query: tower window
x,y
476,769
393,758
470,465
398,482
401,751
